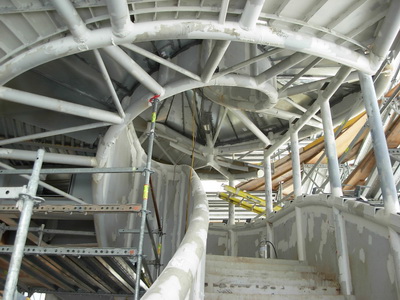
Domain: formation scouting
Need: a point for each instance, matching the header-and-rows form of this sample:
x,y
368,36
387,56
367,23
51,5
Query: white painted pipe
x,y
250,14
199,29
216,55
72,19
251,126
125,61
268,184
120,19
51,133
58,105
77,160
330,150
296,169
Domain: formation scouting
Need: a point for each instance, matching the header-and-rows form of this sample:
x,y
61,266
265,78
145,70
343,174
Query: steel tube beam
x,y
223,11
323,96
388,31
199,29
126,62
268,184
109,84
161,60
51,133
58,105
301,247
147,174
301,108
251,126
287,115
330,150
301,73
23,227
72,19
296,168
246,63
49,157
381,152
250,14
47,186
282,66
219,127
120,19
216,55
74,171
312,86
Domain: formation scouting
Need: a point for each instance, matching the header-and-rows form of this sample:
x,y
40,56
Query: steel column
x,y
381,152
147,172
330,150
301,247
268,184
325,95
342,253
231,219
296,168
23,227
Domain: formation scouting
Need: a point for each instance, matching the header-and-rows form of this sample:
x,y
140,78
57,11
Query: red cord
x,y
153,98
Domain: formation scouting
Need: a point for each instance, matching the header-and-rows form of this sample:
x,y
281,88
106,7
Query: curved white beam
x,y
192,29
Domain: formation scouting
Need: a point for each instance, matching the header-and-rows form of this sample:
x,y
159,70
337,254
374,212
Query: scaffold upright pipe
x,y
23,227
147,171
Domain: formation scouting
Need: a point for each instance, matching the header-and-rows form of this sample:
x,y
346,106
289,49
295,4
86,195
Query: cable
x,y
268,242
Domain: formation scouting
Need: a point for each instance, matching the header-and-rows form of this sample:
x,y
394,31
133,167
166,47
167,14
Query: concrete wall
x,y
371,260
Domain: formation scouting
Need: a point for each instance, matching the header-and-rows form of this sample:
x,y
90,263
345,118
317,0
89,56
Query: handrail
x,y
185,269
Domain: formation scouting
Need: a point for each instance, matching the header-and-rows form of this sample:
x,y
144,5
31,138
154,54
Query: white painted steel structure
x,y
232,77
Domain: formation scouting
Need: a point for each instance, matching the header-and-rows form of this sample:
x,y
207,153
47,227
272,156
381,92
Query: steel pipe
x,y
323,96
72,19
109,83
231,212
250,14
56,158
23,227
330,150
58,105
268,184
282,66
120,18
47,186
214,59
251,126
147,174
296,168
198,29
388,30
287,115
126,62
381,152
52,133
161,60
